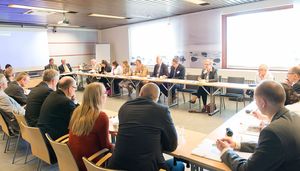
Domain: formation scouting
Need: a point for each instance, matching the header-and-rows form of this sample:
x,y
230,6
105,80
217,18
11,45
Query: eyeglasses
x,y
291,73
75,87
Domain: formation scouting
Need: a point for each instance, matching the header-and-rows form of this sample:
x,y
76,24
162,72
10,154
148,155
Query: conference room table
x,y
33,82
188,140
214,87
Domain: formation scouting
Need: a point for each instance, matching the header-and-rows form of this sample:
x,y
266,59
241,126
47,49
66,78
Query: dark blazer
x,y
212,75
15,91
105,69
62,69
163,70
55,114
296,87
146,130
278,147
178,73
35,100
51,67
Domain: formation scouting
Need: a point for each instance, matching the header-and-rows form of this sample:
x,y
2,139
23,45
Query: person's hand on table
x,y
221,145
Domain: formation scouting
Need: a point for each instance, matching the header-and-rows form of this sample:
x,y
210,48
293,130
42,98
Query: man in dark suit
x,y
38,95
56,111
293,78
278,146
161,70
64,67
177,72
51,65
146,130
15,88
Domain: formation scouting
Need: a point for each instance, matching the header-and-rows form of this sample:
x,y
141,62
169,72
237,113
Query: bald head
x,y
272,92
66,82
150,90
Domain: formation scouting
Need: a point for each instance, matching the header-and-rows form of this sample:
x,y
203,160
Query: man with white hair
x,y
263,74
8,106
64,67
146,130
293,78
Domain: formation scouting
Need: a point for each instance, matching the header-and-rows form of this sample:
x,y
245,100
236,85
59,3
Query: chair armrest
x,y
65,141
98,154
62,138
103,159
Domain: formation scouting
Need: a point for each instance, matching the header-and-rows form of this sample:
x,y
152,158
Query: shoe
x,y
193,102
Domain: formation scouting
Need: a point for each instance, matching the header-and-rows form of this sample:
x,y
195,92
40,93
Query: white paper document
x,y
208,149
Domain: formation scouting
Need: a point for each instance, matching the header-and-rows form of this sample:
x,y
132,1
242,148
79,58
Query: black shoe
x,y
193,102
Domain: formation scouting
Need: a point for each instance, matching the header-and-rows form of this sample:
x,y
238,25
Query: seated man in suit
x,y
278,146
56,111
8,106
38,95
161,70
293,78
64,67
51,65
146,130
15,88
177,72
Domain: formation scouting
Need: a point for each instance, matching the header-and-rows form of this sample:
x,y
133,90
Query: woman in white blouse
x,y
116,70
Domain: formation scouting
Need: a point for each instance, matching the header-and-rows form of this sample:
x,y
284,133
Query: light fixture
x,y
198,2
106,16
37,8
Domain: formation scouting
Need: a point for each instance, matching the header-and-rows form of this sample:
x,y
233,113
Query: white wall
x,y
118,39
203,29
75,45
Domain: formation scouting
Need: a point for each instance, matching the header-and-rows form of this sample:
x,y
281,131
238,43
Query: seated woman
x,y
127,72
89,125
105,68
208,73
116,70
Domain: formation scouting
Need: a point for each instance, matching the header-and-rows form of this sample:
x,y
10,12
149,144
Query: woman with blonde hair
x,y
126,72
89,125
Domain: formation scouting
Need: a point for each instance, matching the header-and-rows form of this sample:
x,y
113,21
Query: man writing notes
x,y
278,146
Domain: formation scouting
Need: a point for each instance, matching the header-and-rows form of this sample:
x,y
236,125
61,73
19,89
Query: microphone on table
x,y
229,132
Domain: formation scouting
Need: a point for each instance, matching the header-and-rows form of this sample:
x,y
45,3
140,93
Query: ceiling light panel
x,y
107,16
37,8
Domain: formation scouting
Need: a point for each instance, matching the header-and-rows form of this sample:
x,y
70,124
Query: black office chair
x,y
190,89
234,94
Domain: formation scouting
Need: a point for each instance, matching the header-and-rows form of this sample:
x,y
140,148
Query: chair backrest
x,y
192,77
37,143
63,154
90,166
24,133
239,80
4,125
104,154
